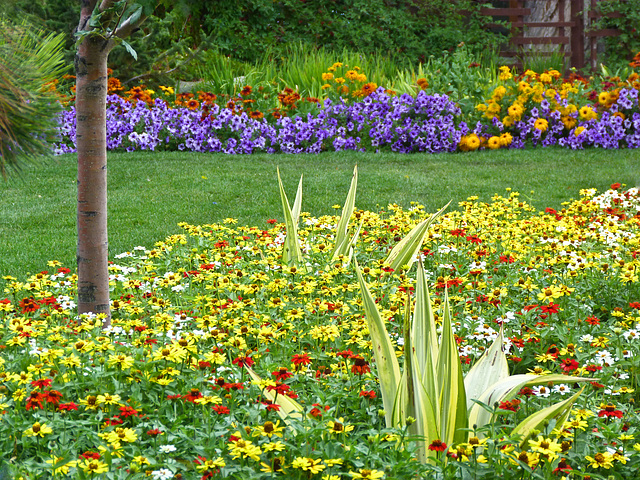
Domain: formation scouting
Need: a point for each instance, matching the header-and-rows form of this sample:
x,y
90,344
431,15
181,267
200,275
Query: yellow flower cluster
x,y
347,83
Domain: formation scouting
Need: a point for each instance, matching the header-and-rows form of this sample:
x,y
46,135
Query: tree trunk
x,y
91,141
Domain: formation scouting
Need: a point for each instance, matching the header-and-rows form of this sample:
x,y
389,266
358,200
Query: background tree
x,y
30,63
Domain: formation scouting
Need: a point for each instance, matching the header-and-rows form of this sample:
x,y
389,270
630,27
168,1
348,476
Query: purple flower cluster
x,y
401,124
379,122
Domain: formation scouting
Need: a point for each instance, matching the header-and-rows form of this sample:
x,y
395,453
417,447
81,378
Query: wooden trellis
x,y
573,33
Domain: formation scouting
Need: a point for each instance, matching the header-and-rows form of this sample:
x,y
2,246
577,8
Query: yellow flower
x,y
506,139
38,430
339,426
546,447
122,435
505,73
93,466
268,429
494,143
308,464
59,465
367,474
541,124
601,460
327,76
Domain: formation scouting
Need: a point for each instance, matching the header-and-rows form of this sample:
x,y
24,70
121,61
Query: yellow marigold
x,y
505,73
515,111
499,92
603,98
541,124
506,139
587,113
494,143
546,78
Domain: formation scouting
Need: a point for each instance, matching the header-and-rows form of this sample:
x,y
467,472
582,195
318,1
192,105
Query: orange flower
x,y
193,104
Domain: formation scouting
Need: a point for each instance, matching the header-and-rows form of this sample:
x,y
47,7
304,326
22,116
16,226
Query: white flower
x,y
162,474
541,391
562,389
167,448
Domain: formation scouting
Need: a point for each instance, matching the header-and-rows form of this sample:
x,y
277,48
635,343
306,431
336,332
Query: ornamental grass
x,y
167,391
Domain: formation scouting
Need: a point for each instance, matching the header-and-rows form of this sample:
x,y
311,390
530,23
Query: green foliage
x,y
173,43
30,62
619,50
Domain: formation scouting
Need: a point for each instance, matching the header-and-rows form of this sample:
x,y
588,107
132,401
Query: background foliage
x,y
409,31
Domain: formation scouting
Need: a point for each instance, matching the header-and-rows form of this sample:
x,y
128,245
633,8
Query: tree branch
x,y
127,27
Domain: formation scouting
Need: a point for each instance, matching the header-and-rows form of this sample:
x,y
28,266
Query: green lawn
x,y
150,193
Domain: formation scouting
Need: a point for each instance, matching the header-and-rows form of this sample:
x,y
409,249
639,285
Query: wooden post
x,y
577,34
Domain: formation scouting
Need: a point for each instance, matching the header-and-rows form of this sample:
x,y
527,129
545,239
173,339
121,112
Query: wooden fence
x,y
573,34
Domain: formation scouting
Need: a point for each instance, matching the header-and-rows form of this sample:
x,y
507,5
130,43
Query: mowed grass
x,y
150,193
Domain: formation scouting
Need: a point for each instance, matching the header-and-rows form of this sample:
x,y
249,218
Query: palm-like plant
x,y
30,61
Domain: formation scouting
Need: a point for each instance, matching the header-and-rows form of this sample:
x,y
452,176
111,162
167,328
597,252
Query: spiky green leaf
x,y
406,251
384,353
490,368
342,239
559,412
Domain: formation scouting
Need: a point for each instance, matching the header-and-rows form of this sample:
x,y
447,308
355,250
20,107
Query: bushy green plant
x,y
30,64
619,49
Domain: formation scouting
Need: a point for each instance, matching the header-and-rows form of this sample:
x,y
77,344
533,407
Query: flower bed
x,y
526,110
165,392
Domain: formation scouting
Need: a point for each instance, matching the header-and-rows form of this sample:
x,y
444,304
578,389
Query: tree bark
x,y
91,142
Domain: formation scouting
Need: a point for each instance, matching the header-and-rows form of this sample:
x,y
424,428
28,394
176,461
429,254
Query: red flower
x,y
615,186
360,366
474,239
593,368
593,321
34,401
154,433
368,394
507,259
272,221
43,382
551,308
271,406
128,411
114,421
220,409
513,405
29,305
635,305
563,467
89,455
316,412
192,395
301,359
610,411
242,361
569,365
279,388
282,374
526,391
67,407
52,396
438,446
345,354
